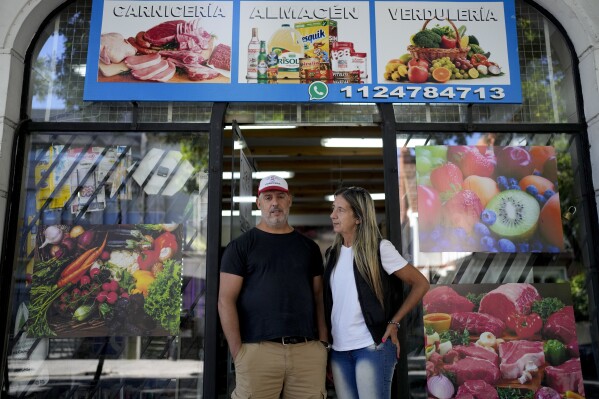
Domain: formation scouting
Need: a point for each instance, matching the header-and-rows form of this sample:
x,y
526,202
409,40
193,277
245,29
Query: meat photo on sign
x,y
174,51
489,340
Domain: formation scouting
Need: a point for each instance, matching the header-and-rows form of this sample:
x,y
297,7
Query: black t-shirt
x,y
276,298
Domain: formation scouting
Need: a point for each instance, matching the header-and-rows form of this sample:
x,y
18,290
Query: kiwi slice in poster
x,y
517,214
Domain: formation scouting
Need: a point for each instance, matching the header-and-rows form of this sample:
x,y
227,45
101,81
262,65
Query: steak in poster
x,y
513,340
170,43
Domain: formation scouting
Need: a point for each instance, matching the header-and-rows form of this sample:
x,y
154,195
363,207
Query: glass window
x,y
123,187
491,233
546,73
110,265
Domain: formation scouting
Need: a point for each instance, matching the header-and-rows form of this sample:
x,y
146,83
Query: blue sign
x,y
397,51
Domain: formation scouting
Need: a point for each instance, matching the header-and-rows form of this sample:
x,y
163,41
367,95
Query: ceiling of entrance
x,y
317,171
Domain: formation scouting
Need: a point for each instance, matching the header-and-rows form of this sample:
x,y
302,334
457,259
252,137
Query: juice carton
x,y
318,37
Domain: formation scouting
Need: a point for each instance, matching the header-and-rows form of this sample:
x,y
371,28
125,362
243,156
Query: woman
x,y
362,312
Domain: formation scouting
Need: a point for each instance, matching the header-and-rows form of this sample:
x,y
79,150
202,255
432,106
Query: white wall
x,y
580,18
20,19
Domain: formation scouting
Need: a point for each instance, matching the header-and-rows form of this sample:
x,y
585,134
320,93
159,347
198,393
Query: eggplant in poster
x,y
488,341
488,199
103,280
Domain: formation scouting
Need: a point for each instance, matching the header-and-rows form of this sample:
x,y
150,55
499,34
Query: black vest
x,y
375,316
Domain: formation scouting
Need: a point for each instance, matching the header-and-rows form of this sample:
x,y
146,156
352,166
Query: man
x,y
271,307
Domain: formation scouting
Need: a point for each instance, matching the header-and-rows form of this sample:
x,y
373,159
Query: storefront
x,y
149,187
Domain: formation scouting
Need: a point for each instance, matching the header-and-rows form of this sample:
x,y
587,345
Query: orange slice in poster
x,y
441,74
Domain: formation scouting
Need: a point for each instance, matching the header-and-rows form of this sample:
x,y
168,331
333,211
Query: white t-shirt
x,y
348,326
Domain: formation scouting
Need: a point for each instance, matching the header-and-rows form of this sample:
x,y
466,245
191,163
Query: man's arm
x,y
323,334
230,287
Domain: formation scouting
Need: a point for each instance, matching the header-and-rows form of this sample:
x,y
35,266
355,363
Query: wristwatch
x,y
326,345
397,324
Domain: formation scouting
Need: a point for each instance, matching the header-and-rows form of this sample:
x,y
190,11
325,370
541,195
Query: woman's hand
x,y
391,332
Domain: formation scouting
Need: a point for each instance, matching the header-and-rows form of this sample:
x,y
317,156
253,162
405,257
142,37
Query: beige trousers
x,y
271,370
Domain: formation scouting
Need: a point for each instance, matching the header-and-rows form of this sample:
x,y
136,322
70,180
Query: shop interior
x,y
316,161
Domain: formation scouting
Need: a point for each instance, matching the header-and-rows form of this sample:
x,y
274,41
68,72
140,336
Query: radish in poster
x,y
496,341
174,42
442,42
104,280
488,199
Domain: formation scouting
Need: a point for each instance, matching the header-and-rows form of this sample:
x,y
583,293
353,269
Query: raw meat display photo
x,y
490,341
488,199
173,48
106,280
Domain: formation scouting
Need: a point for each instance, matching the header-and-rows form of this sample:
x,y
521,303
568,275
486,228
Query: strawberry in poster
x,y
103,280
514,340
488,199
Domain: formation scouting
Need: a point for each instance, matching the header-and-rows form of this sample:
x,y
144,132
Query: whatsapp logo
x,y
318,90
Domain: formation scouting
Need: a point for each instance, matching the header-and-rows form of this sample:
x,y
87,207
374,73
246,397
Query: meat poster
x,y
105,280
165,42
488,199
496,341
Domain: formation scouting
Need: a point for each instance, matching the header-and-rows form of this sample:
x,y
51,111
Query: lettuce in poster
x,y
105,280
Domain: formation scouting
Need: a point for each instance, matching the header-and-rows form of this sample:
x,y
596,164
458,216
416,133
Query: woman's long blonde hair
x,y
366,239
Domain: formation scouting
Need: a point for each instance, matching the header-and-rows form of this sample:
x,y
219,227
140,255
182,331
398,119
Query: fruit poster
x,y
301,50
488,199
496,341
106,280
442,42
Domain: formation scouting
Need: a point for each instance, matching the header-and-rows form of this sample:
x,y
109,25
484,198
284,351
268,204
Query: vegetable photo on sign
x,y
519,343
462,44
440,54
105,280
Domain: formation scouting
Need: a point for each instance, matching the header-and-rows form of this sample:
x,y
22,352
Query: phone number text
x,y
427,92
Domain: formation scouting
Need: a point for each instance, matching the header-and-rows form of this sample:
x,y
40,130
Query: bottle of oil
x,y
287,43
262,65
272,61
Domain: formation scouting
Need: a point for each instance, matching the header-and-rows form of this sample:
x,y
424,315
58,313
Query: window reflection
x,y
136,204
565,269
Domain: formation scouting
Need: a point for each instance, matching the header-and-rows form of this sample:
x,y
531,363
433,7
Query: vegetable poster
x,y
488,199
497,341
104,280
457,43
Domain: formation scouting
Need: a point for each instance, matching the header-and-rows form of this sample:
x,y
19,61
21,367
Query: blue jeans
x,y
365,373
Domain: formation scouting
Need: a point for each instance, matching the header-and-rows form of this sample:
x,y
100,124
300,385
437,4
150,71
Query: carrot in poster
x,y
76,269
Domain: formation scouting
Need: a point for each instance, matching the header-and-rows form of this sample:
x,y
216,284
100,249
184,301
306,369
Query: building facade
x,y
49,134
